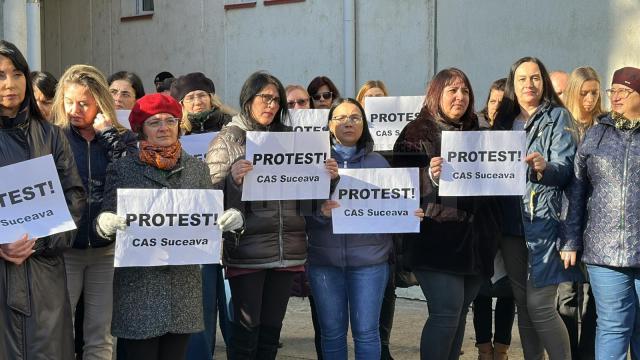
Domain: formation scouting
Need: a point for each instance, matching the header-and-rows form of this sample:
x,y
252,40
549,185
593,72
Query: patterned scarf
x,y
623,123
162,157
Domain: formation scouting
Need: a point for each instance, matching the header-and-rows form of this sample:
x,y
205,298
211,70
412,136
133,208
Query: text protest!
x,y
483,163
286,166
32,202
197,145
376,201
169,227
388,116
308,119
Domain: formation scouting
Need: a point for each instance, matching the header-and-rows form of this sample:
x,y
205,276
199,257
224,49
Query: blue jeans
x,y
202,344
448,299
352,293
616,292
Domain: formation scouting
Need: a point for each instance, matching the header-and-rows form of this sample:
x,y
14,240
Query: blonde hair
x,y
290,88
368,86
572,94
91,78
216,103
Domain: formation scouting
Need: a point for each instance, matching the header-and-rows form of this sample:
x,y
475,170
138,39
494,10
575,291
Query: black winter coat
x,y
208,121
92,158
458,234
35,316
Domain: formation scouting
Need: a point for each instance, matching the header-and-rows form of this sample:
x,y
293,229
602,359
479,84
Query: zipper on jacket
x,y
280,237
89,189
343,238
624,198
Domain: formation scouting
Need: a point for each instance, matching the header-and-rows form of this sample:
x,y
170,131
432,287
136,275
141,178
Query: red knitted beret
x,y
150,105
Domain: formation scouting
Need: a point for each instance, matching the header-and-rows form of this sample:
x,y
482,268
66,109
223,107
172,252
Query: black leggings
x,y
261,298
165,347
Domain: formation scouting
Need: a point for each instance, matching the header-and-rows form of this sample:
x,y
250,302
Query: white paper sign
x,y
376,201
32,201
309,119
483,163
169,227
287,166
388,115
123,118
197,145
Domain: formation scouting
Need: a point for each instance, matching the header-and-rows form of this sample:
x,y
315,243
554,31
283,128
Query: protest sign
x,y
197,145
287,166
32,201
123,117
483,163
308,119
169,227
376,201
388,115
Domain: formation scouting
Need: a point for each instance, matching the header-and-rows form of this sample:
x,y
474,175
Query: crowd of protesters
x,y
564,256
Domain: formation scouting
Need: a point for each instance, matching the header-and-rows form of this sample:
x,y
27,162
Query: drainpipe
x,y
34,38
349,48
14,22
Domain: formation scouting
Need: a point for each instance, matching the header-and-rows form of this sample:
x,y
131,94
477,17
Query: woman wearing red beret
x,y
156,309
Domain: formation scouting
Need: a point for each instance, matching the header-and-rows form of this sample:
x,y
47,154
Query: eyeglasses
x,y
157,123
302,102
325,96
269,99
344,119
191,98
124,94
622,93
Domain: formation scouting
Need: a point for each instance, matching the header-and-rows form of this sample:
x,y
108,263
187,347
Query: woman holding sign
x,y
263,258
34,303
84,109
602,221
348,273
156,309
531,222
454,251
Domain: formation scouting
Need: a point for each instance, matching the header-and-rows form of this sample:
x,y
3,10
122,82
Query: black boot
x,y
243,343
268,340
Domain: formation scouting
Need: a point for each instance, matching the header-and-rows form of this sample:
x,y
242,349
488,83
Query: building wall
x,y
400,42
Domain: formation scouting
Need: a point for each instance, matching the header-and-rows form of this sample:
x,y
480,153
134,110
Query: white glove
x,y
109,222
230,220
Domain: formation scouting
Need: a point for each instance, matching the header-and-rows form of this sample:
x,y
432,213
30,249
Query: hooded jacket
x,y
35,316
208,121
348,250
548,133
603,219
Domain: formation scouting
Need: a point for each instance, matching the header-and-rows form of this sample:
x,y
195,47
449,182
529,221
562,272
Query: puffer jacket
x,y
92,158
348,250
152,301
458,235
274,233
548,133
35,315
603,219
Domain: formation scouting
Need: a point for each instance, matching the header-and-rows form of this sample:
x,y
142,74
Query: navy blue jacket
x,y
92,158
348,250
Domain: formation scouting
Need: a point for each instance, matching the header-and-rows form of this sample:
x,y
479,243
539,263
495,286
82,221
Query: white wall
x,y
399,42
484,38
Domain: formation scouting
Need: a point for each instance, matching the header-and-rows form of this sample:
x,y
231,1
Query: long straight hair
x,y
572,101
252,86
91,78
366,140
509,108
10,51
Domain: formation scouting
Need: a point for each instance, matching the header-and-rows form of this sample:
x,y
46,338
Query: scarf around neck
x,y
161,157
623,123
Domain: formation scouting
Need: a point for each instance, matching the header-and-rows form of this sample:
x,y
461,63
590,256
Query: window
x,y
136,8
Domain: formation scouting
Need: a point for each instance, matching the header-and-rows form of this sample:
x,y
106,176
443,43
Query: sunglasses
x,y
324,96
302,102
